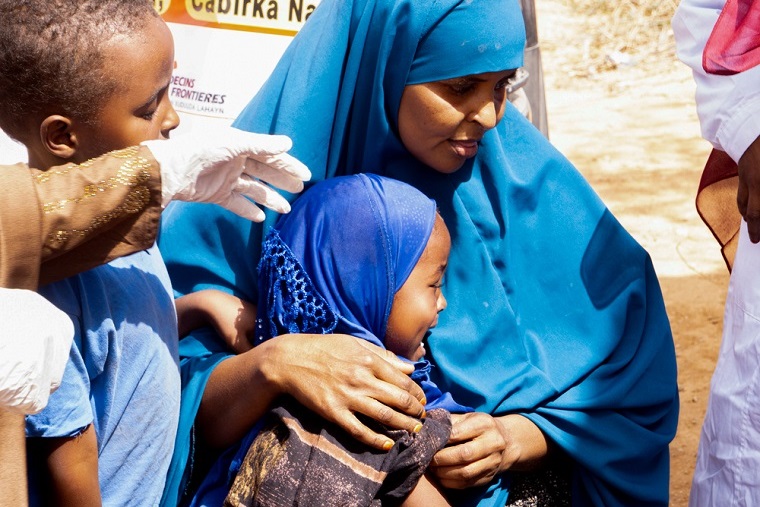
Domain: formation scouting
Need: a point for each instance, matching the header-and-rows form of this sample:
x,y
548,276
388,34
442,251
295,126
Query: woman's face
x,y
442,122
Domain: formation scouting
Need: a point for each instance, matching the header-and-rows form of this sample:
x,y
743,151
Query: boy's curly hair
x,y
51,56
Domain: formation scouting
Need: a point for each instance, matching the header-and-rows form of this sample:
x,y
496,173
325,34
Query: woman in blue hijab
x,y
555,314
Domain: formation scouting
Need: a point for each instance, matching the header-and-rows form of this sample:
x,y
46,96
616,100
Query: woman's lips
x,y
466,149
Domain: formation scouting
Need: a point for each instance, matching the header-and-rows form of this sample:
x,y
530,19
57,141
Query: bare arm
x,y
425,494
72,464
233,318
336,376
12,456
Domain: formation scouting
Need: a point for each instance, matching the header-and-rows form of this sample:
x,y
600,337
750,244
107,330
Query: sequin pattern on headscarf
x,y
294,306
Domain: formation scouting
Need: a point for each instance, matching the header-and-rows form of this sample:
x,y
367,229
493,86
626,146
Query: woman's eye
x,y
460,89
149,115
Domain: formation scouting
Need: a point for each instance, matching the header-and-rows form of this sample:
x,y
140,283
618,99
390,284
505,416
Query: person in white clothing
x,y
729,111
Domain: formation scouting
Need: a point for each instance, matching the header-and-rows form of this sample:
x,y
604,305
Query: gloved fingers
x,y
251,144
241,206
262,194
282,171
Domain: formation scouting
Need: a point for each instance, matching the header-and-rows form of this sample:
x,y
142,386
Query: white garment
x,y
728,106
728,459
35,339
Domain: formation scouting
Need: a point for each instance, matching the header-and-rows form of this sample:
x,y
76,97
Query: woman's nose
x,y
486,115
442,303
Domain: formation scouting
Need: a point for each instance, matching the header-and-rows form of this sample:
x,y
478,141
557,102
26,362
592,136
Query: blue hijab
x,y
554,310
336,261
341,254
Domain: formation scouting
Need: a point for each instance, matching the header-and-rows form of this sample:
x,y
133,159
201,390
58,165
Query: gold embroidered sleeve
x,y
96,211
20,229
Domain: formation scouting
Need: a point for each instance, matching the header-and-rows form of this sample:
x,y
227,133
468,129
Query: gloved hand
x,y
226,165
35,340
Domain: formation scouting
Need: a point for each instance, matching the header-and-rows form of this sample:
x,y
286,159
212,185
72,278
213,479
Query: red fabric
x,y
734,44
733,47
719,166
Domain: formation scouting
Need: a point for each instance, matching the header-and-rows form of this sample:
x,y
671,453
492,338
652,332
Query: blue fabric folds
x,y
554,311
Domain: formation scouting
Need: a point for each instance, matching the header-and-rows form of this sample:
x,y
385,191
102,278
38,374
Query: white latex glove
x,y
35,341
225,166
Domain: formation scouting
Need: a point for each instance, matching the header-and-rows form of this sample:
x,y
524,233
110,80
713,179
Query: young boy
x,y
81,78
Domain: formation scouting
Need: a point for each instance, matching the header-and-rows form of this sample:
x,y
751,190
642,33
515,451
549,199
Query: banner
x,y
224,51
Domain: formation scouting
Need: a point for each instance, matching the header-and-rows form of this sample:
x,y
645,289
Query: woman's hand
x,y
482,446
336,376
339,376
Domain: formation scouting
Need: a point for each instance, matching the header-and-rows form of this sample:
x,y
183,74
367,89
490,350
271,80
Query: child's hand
x,y
233,318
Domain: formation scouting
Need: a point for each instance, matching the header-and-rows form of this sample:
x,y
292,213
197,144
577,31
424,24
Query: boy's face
x,y
139,110
418,302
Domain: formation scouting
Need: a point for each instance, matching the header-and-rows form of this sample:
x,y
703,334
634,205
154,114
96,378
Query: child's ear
x,y
58,137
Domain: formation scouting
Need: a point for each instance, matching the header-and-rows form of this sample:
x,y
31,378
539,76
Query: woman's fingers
x,y
465,465
389,417
460,455
467,427
399,391
474,474
339,376
390,357
361,432
475,453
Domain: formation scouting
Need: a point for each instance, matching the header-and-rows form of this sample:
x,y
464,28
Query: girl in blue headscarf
x,y
377,277
557,333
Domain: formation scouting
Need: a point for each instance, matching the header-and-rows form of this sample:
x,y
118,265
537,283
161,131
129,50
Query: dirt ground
x,y
633,132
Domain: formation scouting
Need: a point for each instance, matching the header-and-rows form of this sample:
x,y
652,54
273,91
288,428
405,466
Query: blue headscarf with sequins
x,y
341,254
554,310
336,261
